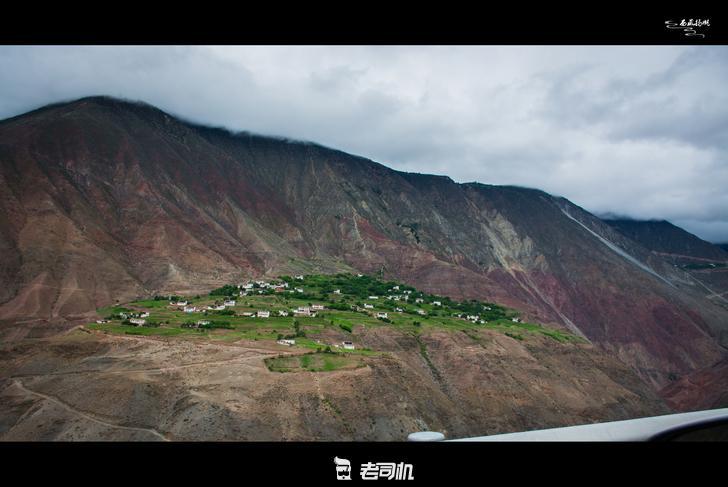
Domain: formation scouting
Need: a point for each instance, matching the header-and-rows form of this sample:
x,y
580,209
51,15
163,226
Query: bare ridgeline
x,y
105,204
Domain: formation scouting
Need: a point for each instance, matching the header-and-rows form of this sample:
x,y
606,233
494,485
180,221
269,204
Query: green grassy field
x,y
314,362
354,291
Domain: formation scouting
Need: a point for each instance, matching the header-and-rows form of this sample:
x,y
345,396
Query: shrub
x,y
218,324
299,331
226,290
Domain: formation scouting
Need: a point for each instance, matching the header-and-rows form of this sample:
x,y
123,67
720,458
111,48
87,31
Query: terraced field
x,y
314,362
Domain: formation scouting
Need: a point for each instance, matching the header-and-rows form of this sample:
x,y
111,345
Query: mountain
x,y
669,240
706,263
105,200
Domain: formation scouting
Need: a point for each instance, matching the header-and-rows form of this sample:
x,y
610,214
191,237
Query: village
x,y
314,312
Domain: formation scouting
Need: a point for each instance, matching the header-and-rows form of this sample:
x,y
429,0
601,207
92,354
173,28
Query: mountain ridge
x,y
665,237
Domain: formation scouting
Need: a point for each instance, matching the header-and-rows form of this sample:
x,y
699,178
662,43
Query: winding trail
x,y
617,250
319,392
711,293
86,415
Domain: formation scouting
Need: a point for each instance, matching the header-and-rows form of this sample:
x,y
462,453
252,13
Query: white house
x,y
138,321
263,314
419,300
101,322
248,313
373,297
317,307
302,311
203,323
421,312
282,313
220,307
398,310
299,289
181,303
368,306
348,345
300,278
337,291
191,309
381,314
436,303
144,315
230,302
286,341
516,320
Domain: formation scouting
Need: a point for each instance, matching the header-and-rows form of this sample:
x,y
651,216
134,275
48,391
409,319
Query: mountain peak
x,y
103,102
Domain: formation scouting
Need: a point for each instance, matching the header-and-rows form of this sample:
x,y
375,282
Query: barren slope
x,y
89,386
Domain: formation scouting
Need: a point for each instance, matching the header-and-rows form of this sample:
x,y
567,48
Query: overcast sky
x,y
640,131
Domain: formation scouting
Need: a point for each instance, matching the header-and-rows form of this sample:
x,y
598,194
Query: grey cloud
x,y
635,130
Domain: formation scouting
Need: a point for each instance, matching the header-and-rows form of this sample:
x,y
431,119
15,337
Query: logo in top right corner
x,y
689,27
